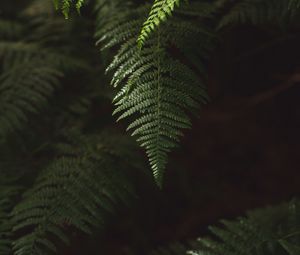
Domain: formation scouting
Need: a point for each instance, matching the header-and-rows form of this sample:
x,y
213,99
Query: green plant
x,y
78,189
65,6
160,11
158,88
64,166
271,230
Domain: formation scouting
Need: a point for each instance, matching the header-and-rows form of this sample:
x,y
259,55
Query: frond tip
x,y
160,11
65,6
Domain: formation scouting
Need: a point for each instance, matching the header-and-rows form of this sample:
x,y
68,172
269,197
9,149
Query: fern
x,y
24,94
274,230
65,6
10,29
160,11
257,12
267,231
79,189
158,89
8,192
31,70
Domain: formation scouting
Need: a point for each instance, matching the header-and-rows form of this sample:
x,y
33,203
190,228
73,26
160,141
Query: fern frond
x,y
273,230
31,70
158,90
65,6
9,30
257,12
160,11
8,193
78,190
266,231
25,94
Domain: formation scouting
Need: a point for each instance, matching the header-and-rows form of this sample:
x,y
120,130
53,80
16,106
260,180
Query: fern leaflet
x,y
160,11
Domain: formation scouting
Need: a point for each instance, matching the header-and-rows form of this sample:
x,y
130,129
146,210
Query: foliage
x,y
257,12
155,101
61,170
158,89
271,230
8,191
77,189
160,11
32,70
65,6
71,180
151,95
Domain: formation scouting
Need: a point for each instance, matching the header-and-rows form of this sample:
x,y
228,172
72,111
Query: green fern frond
x,y
199,9
257,12
24,94
274,230
31,70
160,11
9,30
266,231
78,190
65,6
158,90
8,193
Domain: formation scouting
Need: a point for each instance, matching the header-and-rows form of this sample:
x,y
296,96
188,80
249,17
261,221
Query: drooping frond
x,y
79,189
274,230
158,89
160,11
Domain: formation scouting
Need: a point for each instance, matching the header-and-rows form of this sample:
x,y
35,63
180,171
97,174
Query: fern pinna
x,y
158,89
